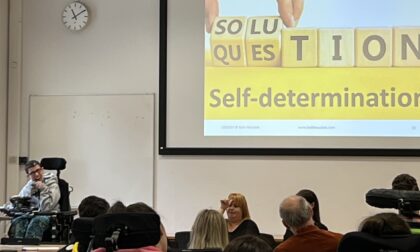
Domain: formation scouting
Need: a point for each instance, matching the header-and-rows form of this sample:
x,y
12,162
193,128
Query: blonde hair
x,y
209,231
240,201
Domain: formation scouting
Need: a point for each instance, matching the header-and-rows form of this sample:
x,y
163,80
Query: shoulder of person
x,y
332,234
50,178
49,175
248,222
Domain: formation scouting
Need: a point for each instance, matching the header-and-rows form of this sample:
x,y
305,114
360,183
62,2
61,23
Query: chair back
x,y
126,230
82,231
182,239
269,239
364,242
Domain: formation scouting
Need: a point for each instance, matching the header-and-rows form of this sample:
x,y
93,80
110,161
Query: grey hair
x,y
295,211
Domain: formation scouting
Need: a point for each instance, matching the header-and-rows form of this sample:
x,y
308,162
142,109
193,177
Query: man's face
x,y
36,173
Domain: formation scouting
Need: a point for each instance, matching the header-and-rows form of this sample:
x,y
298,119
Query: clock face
x,y
75,16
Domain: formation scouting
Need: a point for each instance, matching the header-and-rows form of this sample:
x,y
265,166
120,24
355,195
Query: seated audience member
x,y
89,207
209,231
92,206
384,224
408,183
248,243
45,194
238,217
117,207
296,214
141,207
311,197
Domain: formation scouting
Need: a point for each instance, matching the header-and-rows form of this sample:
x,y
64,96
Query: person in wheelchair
x,y
407,182
44,193
383,224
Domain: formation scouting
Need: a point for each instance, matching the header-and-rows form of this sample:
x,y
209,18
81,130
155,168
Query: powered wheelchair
x,y
407,203
60,221
114,231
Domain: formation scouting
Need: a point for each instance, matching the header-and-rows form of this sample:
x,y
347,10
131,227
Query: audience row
x,y
300,214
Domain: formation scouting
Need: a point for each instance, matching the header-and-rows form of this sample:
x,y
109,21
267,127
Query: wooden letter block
x,y
336,47
406,47
263,42
228,41
300,47
374,47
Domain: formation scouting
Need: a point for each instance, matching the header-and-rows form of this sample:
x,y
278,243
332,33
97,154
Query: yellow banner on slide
x,y
257,93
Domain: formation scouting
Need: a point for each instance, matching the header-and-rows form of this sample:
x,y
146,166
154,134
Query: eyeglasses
x,y
35,171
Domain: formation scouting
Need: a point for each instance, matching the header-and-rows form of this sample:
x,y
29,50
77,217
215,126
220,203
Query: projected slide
x,y
312,68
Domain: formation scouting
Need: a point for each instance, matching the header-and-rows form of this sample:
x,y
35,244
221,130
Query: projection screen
x,y
300,77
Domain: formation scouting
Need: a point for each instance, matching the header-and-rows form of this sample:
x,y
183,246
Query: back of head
x,y
140,207
295,211
92,206
405,182
312,199
248,243
240,201
209,231
385,224
118,207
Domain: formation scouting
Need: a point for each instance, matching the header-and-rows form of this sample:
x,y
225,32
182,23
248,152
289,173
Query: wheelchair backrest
x,y
136,230
364,242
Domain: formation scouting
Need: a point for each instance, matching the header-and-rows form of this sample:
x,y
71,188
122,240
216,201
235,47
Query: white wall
x,y
118,53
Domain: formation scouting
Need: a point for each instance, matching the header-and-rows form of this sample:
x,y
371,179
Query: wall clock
x,y
75,16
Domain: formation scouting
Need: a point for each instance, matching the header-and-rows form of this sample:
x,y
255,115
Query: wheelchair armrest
x,y
54,213
69,213
12,212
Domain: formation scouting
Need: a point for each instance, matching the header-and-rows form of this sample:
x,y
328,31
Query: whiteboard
x,y
107,140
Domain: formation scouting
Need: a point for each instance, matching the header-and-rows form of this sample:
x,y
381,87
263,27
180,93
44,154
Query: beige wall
x,y
3,94
3,100
118,53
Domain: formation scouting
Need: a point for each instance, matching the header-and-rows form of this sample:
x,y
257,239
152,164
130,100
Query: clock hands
x,y
80,13
74,15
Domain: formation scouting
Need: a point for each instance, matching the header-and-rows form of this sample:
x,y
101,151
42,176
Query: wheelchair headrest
x,y
398,199
82,229
136,229
53,163
364,242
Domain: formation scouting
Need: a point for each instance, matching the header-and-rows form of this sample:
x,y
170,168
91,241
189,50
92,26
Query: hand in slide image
x,y
289,11
212,11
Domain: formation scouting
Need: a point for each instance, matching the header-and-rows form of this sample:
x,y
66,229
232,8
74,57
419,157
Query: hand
x,y
212,11
225,203
290,11
39,185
